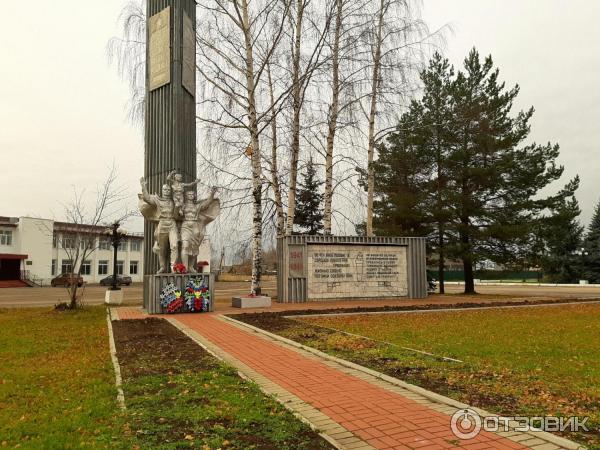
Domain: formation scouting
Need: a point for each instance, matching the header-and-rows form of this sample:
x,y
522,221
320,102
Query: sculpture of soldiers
x,y
196,215
175,180
161,209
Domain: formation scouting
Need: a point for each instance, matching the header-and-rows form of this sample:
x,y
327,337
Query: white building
x,y
40,249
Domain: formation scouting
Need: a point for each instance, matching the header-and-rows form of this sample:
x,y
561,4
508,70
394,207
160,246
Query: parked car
x,y
121,280
67,279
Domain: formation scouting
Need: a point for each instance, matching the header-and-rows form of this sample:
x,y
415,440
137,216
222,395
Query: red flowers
x,y
179,268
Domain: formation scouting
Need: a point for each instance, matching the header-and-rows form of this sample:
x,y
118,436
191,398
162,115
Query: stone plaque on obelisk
x,y
170,107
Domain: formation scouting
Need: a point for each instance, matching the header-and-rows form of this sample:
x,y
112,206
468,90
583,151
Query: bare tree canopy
x,y
320,79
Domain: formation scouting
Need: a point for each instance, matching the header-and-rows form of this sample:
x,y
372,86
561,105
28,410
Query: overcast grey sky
x,y
63,108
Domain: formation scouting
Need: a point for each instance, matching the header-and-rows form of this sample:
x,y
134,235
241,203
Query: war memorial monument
x,y
309,267
175,221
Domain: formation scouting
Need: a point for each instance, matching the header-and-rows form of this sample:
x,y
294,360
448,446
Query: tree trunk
x,y
467,256
274,165
296,107
255,158
469,281
73,295
440,206
442,258
372,113
333,117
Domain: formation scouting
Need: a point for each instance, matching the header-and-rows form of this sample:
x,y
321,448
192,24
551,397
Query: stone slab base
x,y
113,297
251,302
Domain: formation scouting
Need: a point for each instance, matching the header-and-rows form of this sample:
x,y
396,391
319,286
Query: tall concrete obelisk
x,y
170,116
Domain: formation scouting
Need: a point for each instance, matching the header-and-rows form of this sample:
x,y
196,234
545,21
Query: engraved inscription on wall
x,y
296,260
356,271
188,73
159,49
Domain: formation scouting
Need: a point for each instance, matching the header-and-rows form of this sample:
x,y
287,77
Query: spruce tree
x,y
412,183
591,257
496,178
558,235
308,218
469,176
399,207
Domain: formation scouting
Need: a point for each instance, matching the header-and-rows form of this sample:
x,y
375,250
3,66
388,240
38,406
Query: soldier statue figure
x,y
196,215
177,223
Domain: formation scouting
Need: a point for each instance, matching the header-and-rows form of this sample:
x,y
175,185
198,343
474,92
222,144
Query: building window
x,y
66,266
136,245
119,267
5,237
53,267
86,268
104,244
88,243
54,241
133,268
103,267
123,245
68,242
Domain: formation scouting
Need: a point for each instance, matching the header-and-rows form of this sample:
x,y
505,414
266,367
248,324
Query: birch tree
x,y
395,39
302,29
274,164
344,76
235,51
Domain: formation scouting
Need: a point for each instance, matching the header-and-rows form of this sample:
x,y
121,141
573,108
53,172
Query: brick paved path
x,y
379,417
357,410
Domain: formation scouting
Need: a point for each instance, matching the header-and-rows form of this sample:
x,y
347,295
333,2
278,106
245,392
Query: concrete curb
x,y
569,302
499,283
432,396
291,402
115,360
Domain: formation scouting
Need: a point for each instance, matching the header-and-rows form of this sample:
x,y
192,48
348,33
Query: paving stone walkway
x,y
354,409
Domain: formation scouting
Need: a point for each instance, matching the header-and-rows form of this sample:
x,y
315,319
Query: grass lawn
x,y
57,390
525,361
56,380
180,396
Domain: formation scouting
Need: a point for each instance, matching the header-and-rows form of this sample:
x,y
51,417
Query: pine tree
x,y
412,181
459,167
496,181
399,207
560,235
591,257
309,215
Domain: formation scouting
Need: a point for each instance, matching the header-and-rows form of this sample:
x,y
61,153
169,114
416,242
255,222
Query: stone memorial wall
x,y
342,271
336,267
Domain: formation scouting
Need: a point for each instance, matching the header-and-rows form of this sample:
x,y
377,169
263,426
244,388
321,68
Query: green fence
x,y
502,275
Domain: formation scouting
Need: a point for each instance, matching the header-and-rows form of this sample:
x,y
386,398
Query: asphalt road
x,y
94,294
132,295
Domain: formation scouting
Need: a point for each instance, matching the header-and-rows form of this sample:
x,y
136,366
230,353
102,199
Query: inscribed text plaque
x,y
357,271
159,49
188,71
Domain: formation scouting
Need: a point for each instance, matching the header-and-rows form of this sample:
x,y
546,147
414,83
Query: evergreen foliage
x,y
308,218
591,269
458,171
558,238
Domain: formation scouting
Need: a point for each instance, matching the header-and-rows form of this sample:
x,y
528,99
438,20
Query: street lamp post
x,y
115,236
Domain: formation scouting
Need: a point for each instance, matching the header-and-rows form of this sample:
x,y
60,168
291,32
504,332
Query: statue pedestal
x,y
113,297
173,293
251,302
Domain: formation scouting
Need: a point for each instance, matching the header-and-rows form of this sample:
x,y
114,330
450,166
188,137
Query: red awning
x,y
12,256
